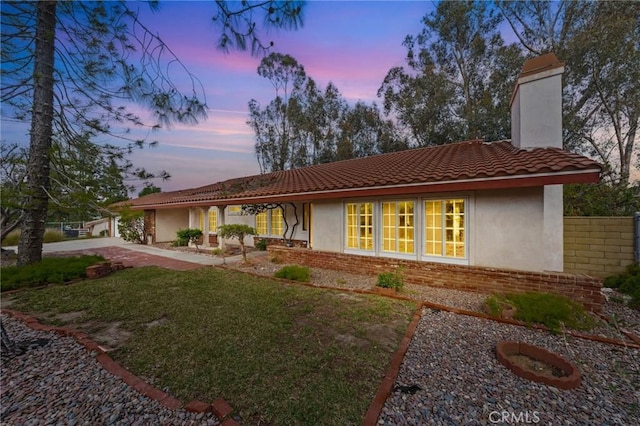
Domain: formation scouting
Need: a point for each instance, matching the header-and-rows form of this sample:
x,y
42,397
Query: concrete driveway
x,y
130,254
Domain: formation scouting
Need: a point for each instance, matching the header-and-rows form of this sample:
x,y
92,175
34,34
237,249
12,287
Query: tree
x,y
131,225
93,47
13,172
238,22
449,92
275,142
239,232
600,43
149,189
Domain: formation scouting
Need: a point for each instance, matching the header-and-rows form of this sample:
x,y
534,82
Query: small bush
x,y
552,310
48,271
11,239
188,235
261,244
180,243
394,280
294,273
628,283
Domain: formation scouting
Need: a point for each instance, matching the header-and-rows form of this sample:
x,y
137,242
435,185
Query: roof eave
x,y
502,182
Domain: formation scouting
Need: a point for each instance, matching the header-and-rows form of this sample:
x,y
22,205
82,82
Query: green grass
x,y
278,353
394,280
551,310
50,270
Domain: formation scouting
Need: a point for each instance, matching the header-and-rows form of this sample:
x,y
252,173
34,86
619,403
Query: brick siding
x,y
581,288
598,246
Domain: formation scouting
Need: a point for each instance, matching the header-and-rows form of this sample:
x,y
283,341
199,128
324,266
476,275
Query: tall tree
x,y
84,59
448,91
276,144
600,43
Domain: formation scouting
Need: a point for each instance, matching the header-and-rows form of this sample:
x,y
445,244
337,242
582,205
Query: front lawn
x,y
278,353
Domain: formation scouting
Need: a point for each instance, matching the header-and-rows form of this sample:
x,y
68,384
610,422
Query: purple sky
x,y
352,44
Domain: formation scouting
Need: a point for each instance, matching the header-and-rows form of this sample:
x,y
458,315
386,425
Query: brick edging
x,y
386,386
220,408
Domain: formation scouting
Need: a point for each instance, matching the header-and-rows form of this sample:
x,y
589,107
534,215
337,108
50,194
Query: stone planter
x,y
506,352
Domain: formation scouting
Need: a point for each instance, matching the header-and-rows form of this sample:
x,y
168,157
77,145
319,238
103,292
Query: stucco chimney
x,y
536,104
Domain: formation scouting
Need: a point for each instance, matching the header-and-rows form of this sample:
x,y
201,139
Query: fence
x,y
600,246
68,229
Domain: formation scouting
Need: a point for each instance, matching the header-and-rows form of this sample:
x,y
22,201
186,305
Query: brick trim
x,y
581,288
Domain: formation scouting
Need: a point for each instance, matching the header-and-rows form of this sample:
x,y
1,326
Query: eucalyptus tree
x,y
447,91
276,145
600,44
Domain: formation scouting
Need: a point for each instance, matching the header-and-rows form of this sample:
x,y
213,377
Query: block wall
x,y
598,246
581,288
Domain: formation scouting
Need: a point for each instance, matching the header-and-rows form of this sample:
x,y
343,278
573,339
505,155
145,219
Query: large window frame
x,y
213,220
359,227
270,223
446,229
405,228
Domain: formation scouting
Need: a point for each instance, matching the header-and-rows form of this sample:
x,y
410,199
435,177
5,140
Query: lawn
x,y
278,353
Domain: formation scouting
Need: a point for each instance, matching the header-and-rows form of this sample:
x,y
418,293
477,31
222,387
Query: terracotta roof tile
x,y
470,160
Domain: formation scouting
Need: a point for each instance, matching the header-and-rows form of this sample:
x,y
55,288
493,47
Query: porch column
x,y
205,226
221,222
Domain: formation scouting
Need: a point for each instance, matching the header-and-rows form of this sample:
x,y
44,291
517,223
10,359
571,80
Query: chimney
x,y
536,104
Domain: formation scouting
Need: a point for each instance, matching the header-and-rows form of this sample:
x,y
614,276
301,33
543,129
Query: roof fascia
x,y
520,181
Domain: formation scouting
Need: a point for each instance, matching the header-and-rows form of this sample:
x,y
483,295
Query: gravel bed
x,y
452,361
61,383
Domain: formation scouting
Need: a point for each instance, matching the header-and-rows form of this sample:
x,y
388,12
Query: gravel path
x,y
61,383
451,359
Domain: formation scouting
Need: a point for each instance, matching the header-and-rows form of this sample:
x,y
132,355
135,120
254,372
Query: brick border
x,y
221,409
581,288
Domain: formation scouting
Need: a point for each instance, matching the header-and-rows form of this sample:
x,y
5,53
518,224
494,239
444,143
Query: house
x,y
475,215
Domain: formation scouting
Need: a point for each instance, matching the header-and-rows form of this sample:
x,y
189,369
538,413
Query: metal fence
x,y
68,229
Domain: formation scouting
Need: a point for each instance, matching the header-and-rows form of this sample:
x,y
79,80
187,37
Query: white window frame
x,y
467,224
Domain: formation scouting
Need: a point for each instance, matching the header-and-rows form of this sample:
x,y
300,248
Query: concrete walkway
x,y
107,247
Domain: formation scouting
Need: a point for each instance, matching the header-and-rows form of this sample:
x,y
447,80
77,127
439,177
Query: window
x,y
397,227
261,223
234,210
445,228
213,220
305,216
360,226
270,222
276,222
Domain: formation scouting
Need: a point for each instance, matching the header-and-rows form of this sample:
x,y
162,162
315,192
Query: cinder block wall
x,y
581,288
598,246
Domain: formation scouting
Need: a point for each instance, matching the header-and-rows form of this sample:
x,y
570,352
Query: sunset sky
x,y
352,44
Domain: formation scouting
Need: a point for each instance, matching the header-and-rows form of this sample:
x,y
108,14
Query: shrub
x,y
261,244
552,310
394,280
294,273
186,236
628,283
131,225
49,270
239,232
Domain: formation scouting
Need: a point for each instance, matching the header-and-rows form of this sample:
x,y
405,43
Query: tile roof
x,y
464,165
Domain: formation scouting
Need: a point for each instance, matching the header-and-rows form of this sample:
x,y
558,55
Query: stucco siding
x,y
168,221
508,229
326,226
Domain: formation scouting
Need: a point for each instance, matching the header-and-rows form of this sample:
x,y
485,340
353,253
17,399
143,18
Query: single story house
x,y
474,215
